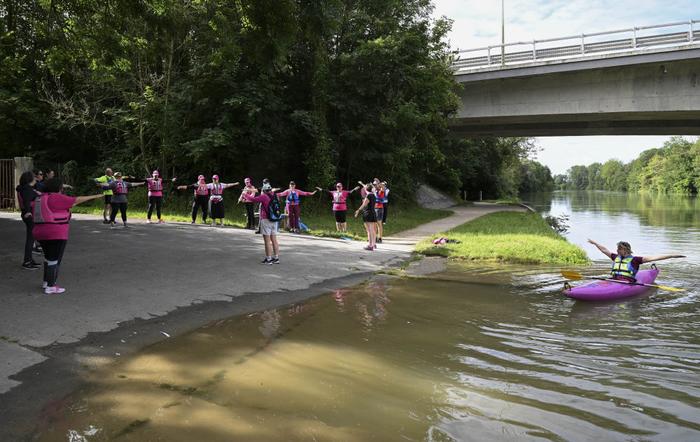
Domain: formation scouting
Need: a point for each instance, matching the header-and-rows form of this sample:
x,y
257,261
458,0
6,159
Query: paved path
x,y
149,271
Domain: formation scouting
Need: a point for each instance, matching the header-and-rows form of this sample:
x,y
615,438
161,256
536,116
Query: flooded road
x,y
473,353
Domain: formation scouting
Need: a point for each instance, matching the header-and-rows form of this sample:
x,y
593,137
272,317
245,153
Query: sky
x,y
477,23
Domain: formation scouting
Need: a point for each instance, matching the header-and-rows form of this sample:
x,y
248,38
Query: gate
x,y
10,170
7,180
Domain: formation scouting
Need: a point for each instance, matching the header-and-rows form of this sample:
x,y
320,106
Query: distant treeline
x,y
673,168
315,91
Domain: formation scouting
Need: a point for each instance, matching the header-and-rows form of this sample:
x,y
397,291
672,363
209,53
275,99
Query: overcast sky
x,y
478,23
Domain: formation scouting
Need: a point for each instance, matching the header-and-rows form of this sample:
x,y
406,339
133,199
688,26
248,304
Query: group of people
x,y
46,211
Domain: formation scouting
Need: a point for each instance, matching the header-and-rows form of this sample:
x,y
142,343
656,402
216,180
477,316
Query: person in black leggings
x,y
26,194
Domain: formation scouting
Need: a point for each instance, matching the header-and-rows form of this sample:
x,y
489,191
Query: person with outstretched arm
x,y
293,200
51,217
107,178
119,199
216,199
248,189
200,200
625,264
155,196
340,205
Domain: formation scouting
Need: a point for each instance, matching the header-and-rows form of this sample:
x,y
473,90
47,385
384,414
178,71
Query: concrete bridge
x,y
646,82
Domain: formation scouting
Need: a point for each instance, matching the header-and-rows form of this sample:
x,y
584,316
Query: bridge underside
x,y
622,123
655,94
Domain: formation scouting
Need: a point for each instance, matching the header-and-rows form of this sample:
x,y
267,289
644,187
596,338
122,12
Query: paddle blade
x,y
570,274
670,289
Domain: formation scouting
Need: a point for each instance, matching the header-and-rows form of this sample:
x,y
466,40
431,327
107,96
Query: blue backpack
x,y
274,212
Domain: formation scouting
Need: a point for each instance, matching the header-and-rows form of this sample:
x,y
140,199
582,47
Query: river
x,y
473,353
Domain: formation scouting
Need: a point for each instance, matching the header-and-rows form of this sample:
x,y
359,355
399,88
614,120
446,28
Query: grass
x,y
319,218
512,237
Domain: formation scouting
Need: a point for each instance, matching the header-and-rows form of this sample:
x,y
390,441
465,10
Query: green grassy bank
x,y
315,213
513,237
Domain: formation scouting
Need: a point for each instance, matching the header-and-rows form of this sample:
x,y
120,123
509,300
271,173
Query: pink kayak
x,y
607,290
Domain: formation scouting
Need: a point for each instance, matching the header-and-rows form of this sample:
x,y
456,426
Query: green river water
x,y
474,353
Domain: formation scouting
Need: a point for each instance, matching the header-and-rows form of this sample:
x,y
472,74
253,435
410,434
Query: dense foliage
x,y
673,168
313,90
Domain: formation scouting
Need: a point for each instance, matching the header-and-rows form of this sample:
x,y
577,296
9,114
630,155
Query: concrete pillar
x,y
22,164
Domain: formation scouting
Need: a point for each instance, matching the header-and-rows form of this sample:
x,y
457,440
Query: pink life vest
x,y
217,190
42,213
339,197
201,189
155,185
121,188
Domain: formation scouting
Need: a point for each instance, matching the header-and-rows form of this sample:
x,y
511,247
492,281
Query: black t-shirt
x,y
27,194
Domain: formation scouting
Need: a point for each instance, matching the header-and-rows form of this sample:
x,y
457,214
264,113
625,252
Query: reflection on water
x,y
472,353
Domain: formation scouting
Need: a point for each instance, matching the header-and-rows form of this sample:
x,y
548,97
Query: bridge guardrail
x,y
639,37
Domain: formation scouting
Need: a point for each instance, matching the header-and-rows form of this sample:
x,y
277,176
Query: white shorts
x,y
268,227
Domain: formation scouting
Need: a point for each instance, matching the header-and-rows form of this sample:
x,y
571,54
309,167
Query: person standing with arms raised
x,y
216,199
340,205
51,216
249,189
155,196
293,199
119,199
107,178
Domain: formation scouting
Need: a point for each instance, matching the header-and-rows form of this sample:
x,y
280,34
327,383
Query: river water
x,y
473,353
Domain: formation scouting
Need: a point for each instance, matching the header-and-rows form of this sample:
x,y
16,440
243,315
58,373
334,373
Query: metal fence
x,y
7,184
599,43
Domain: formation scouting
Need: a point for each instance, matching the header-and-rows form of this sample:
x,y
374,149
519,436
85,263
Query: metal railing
x,y
598,43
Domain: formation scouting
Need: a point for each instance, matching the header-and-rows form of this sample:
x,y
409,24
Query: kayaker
x,y
625,264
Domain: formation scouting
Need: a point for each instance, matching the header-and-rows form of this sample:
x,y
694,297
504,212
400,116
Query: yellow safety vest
x,y
623,267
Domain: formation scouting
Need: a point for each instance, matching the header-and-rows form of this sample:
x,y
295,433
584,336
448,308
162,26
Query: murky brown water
x,y
484,357
470,354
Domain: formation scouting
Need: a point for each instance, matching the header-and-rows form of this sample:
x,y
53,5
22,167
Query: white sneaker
x,y
148,221
55,290
44,284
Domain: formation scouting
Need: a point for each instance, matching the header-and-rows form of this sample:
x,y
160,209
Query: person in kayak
x,y
625,264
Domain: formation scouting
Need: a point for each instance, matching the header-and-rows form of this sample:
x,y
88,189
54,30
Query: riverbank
x,y
512,237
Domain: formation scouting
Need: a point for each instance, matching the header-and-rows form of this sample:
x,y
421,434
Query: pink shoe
x,y
55,290
160,221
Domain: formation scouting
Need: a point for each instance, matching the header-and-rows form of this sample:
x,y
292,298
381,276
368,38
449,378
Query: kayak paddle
x,y
576,276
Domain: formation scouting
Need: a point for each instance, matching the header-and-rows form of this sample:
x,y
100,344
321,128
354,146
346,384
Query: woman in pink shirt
x,y
293,198
340,205
268,226
51,216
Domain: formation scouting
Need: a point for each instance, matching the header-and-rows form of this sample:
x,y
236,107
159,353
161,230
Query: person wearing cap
x,y
120,189
248,189
107,178
268,228
155,196
293,199
201,198
625,264
340,205
216,199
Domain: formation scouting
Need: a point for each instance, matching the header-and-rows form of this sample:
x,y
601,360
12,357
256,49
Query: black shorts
x,y
108,199
369,216
340,216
